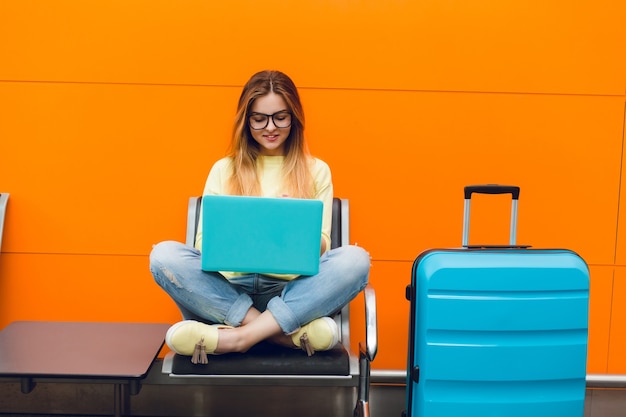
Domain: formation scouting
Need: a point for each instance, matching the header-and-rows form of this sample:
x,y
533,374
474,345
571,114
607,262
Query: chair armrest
x,y
370,348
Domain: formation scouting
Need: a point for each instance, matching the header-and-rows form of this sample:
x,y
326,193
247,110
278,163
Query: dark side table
x,y
115,353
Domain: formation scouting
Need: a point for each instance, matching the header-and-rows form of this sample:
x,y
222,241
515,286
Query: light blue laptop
x,y
261,234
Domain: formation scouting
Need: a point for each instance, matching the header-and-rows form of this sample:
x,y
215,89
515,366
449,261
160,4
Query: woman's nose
x,y
270,124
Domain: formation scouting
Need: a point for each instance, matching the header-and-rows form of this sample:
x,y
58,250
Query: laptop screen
x,y
261,234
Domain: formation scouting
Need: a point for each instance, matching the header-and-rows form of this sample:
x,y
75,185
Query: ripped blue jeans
x,y
210,297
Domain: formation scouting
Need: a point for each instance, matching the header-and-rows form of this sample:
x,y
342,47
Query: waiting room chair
x,y
279,366
4,198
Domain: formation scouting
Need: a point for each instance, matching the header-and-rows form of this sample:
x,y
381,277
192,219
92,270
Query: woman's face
x,y
269,122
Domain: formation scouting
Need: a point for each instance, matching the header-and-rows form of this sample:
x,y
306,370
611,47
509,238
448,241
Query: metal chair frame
x,y
359,375
4,198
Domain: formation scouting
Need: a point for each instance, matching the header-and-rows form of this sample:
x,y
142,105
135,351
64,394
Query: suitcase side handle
x,y
491,189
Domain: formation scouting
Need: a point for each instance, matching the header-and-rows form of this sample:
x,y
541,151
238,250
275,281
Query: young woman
x,y
231,312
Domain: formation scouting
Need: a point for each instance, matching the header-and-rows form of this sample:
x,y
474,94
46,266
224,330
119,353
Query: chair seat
x,y
268,359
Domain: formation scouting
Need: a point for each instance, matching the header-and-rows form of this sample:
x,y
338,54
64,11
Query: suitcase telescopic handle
x,y
491,189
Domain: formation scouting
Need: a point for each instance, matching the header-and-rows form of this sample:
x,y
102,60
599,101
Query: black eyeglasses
x,y
259,121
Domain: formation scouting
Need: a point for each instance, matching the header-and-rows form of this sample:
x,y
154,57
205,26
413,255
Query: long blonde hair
x,y
244,150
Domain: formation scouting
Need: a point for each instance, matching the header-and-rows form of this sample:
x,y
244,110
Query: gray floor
x,y
64,399
163,396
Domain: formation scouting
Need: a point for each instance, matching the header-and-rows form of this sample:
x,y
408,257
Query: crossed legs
x,y
209,297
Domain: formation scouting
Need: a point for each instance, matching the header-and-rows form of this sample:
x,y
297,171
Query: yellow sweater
x,y
270,171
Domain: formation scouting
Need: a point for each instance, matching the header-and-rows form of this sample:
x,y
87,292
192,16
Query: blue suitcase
x,y
497,330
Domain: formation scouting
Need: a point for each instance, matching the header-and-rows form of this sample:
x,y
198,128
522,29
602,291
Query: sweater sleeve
x,y
324,192
215,184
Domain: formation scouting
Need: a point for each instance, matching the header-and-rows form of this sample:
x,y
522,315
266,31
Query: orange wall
x,y
112,112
